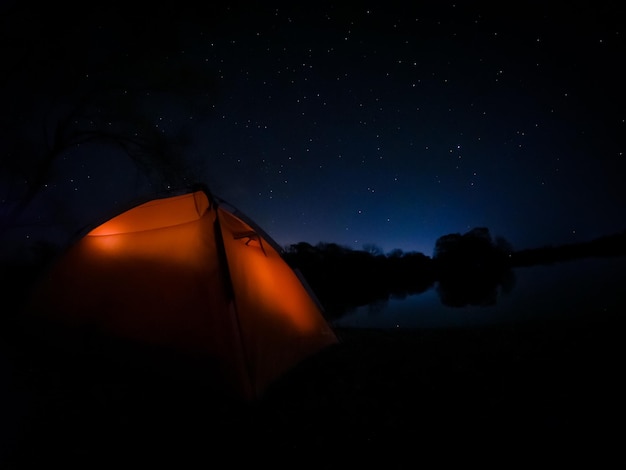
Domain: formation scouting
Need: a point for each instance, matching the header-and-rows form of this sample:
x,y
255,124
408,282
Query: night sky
x,y
369,123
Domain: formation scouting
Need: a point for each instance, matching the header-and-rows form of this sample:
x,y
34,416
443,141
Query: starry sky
x,y
387,123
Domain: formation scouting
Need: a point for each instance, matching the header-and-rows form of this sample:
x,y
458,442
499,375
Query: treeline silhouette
x,y
609,245
343,278
466,269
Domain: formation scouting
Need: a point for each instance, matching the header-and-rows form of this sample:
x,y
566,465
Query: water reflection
x,y
470,290
587,288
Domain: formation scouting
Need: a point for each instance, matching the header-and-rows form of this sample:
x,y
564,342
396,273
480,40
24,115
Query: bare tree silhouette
x,y
62,89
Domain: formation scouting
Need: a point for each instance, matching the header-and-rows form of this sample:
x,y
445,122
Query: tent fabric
x,y
185,273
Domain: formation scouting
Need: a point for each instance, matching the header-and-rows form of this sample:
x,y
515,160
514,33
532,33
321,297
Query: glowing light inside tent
x,y
176,245
156,214
259,271
155,274
275,291
108,243
167,230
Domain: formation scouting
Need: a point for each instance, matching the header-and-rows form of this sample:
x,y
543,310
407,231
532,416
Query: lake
x,y
577,289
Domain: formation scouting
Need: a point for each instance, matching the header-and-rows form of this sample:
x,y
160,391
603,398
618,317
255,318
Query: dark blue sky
x,y
390,124
395,125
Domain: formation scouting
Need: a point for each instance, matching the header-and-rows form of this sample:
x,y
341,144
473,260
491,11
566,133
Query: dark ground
x,y
539,394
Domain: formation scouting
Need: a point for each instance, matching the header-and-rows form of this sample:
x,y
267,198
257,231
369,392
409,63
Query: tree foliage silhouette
x,y
471,267
343,278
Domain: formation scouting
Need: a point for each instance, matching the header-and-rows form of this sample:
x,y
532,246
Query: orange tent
x,y
185,272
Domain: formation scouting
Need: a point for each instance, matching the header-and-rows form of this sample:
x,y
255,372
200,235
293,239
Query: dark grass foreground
x,y
538,393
